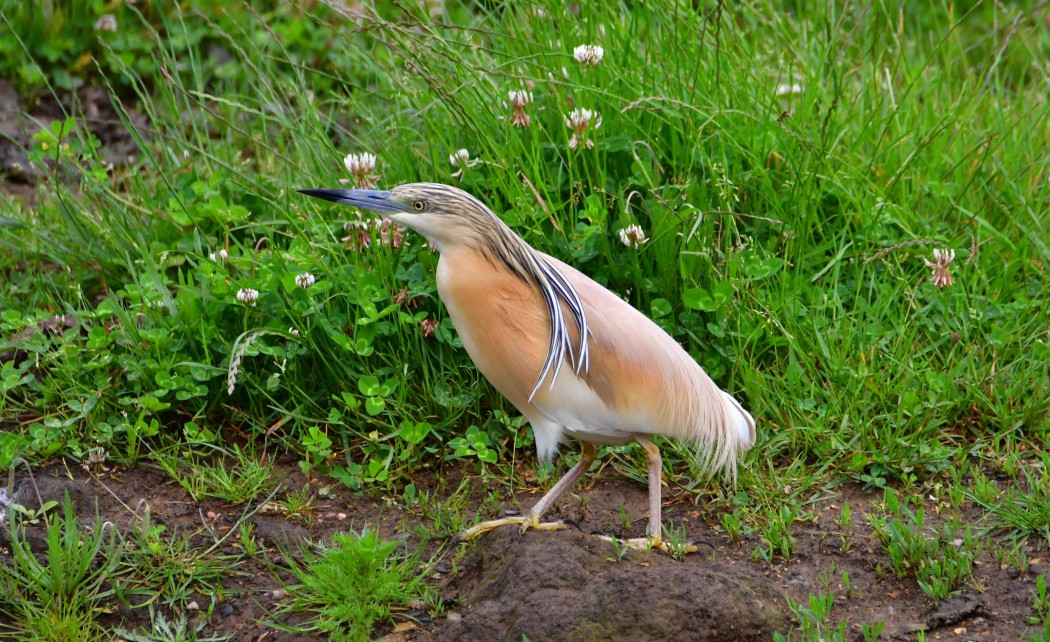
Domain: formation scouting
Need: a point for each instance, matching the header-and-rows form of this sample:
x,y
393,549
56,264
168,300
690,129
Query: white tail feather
x,y
743,421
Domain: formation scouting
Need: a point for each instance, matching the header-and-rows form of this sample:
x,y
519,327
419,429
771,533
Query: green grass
x,y
163,630
230,475
348,586
941,563
787,233
167,568
55,597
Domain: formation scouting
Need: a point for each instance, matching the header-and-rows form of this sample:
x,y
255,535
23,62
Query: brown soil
x,y
564,585
22,117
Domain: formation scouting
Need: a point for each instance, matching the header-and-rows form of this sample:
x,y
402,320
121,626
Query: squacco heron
x,y
575,359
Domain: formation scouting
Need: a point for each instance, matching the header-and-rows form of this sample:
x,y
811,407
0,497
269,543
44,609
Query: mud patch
x,y
572,586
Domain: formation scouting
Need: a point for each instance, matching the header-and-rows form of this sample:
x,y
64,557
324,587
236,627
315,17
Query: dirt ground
x,y
22,117
564,585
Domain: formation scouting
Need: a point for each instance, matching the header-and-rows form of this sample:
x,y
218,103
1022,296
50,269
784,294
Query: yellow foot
x,y
650,543
524,521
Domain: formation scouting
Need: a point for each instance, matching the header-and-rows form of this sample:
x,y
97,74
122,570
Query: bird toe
x,y
524,522
674,549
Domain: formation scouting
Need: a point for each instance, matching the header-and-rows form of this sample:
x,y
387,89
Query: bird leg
x,y
653,534
532,518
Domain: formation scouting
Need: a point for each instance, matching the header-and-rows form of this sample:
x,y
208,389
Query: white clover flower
x,y
588,55
304,280
788,90
519,99
106,22
294,332
361,167
462,160
428,327
434,7
632,236
941,277
220,256
388,232
248,296
579,121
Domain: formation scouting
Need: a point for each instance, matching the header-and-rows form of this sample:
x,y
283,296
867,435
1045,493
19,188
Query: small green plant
x,y
346,587
298,505
777,537
474,443
620,550
814,621
446,516
56,597
625,519
1013,554
847,585
733,524
872,632
1022,512
1040,602
940,563
376,393
845,524
318,449
155,566
1041,636
163,630
248,542
233,476
676,540
31,516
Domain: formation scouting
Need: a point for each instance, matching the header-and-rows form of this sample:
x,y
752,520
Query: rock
x,y
954,609
33,493
563,586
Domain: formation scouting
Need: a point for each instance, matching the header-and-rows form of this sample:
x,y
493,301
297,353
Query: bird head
x,y
441,213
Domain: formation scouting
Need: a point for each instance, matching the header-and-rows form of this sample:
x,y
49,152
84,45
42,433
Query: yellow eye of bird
x,y
419,205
